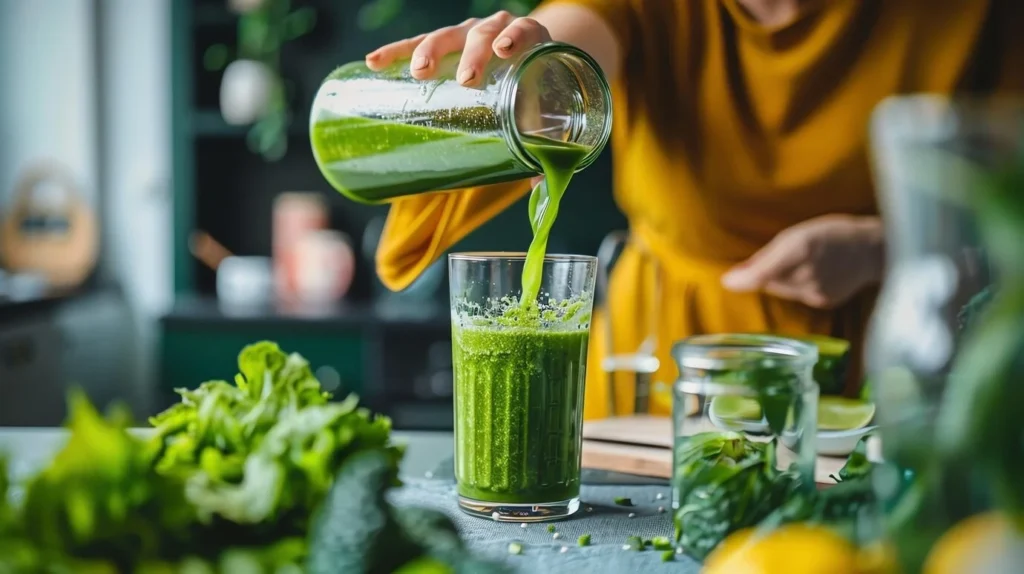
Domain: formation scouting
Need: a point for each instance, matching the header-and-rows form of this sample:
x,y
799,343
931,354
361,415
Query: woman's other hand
x,y
501,34
822,262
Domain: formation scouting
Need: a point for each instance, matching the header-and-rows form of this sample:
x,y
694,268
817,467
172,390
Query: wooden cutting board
x,y
642,445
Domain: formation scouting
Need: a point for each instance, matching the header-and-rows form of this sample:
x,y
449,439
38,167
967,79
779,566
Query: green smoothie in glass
x,y
519,366
518,404
519,362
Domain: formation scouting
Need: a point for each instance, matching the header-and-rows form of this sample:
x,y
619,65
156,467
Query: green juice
x,y
518,413
372,161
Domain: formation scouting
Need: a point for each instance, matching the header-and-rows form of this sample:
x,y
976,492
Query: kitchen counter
x,y
427,474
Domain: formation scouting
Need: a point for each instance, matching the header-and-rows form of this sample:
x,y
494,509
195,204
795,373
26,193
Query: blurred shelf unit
x,y
346,346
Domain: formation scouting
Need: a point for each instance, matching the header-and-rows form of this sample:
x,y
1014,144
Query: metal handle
x,y
605,260
642,363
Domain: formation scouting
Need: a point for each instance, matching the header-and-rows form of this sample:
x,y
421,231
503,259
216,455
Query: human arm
x,y
420,228
586,24
822,262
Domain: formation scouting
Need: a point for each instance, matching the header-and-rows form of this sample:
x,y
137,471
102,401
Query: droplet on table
x,y
523,525
661,509
631,515
659,496
556,536
563,549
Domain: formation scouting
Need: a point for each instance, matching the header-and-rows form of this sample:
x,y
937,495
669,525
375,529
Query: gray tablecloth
x,y
608,524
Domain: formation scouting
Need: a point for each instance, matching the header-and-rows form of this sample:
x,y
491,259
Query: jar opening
x,y
743,360
557,94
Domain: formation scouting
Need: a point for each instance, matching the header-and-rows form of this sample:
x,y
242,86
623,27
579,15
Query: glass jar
x,y
381,135
944,370
737,394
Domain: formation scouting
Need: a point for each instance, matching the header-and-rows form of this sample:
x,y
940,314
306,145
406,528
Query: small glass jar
x,y
735,390
381,135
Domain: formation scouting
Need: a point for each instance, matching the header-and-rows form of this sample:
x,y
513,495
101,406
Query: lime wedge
x,y
827,346
732,407
841,413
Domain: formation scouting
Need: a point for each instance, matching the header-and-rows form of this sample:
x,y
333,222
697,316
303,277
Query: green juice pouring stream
x,y
507,408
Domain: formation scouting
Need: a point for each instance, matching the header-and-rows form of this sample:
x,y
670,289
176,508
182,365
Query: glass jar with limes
x,y
745,411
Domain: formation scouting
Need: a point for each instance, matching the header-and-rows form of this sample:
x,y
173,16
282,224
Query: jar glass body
x,y
934,349
741,403
381,135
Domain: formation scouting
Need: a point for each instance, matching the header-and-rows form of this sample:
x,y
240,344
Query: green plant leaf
x,y
216,57
379,13
298,23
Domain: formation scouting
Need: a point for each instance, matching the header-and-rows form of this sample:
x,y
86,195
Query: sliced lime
x,y
731,407
841,413
827,346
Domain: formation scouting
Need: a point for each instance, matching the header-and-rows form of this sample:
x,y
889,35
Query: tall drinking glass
x,y
519,375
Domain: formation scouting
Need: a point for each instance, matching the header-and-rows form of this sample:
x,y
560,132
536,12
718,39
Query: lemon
x,y
986,543
792,549
735,407
878,558
841,413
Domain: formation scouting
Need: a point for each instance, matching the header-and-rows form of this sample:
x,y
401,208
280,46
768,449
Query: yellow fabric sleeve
x,y
420,228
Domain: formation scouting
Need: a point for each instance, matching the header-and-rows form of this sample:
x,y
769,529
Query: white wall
x,y
50,93
137,135
47,89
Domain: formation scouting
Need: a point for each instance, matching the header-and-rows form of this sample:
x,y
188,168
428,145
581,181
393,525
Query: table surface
x,y
426,470
31,448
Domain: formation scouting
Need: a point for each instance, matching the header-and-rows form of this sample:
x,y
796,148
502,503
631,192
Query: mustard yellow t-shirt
x,y
727,132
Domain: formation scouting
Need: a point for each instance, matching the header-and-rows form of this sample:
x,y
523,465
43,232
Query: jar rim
x,y
733,351
510,86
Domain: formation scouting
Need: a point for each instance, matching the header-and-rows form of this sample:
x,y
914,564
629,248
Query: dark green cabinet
x,y
197,354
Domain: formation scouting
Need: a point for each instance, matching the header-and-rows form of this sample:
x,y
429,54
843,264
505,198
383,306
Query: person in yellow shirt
x,y
739,149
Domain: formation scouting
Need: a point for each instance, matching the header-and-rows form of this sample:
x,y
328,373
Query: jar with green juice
x,y
744,411
381,135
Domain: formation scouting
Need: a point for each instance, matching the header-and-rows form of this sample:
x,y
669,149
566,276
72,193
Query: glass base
x,y
520,512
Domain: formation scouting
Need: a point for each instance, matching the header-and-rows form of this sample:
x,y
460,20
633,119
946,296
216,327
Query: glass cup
x,y
519,376
734,396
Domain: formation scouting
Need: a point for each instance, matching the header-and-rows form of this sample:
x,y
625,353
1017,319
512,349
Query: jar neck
x,y
555,92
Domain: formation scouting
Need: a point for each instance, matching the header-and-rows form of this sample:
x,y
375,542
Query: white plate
x,y
830,443
834,443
